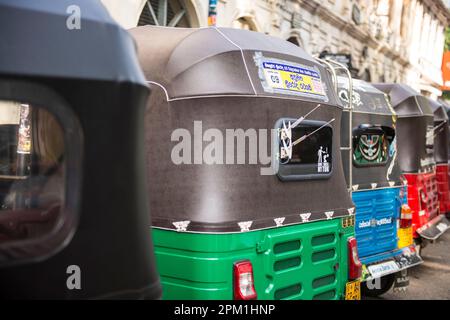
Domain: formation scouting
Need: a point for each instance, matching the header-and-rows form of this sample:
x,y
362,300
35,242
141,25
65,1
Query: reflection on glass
x,y
31,171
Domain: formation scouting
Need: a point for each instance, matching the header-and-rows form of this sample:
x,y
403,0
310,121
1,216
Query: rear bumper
x,y
435,228
387,263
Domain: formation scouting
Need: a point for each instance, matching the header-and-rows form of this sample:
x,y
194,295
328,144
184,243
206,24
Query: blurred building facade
x,y
383,40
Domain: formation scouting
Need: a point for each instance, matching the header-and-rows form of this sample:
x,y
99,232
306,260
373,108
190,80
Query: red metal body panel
x,y
422,198
443,187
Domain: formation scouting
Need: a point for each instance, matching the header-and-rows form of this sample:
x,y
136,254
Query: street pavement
x,y
431,279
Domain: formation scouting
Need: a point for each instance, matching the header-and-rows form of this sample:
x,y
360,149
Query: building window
x,y
171,13
245,23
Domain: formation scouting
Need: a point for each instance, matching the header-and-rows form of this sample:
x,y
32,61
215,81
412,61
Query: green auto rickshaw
x,y
247,191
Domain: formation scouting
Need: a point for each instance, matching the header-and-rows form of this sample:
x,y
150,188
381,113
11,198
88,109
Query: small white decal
x,y
351,211
279,221
305,216
355,187
245,225
373,185
181,225
329,214
322,160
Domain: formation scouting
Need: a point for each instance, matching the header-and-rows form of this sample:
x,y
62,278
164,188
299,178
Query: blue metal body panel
x,y
377,216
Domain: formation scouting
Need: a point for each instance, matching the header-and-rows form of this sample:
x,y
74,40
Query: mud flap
x,y
401,281
406,258
435,228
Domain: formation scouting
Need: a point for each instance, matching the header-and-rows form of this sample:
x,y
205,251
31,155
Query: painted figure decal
x,y
371,148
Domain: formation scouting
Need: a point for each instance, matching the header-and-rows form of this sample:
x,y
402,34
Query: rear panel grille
x,y
302,263
377,212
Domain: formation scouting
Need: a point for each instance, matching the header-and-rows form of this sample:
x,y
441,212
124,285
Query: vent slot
x,y
323,239
288,292
323,281
327,295
284,247
286,264
323,255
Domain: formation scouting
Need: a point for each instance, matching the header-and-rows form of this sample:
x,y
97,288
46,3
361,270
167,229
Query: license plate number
x,y
382,269
405,237
353,290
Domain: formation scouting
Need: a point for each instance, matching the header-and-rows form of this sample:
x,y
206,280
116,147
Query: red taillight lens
x,y
244,288
354,264
405,217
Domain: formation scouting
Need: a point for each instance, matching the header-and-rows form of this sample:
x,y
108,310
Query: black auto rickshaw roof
x,y
210,75
439,110
366,98
178,60
371,113
99,50
414,128
406,101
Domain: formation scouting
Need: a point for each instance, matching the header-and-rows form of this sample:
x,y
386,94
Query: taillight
x,y
354,264
244,288
405,217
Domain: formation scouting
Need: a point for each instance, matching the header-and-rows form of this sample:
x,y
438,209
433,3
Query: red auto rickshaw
x,y
441,132
416,131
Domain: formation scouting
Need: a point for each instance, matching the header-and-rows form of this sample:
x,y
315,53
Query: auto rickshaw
x,y
415,132
441,140
246,184
383,219
74,218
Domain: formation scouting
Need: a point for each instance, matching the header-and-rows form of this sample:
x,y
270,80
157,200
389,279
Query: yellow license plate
x,y
353,290
405,237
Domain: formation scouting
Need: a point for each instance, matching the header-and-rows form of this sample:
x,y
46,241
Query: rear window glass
x,y
31,171
311,155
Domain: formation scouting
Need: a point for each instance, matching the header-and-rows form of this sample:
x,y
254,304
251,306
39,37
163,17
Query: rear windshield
x,y
31,171
311,156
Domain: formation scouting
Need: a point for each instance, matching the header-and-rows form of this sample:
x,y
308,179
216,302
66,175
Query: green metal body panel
x,y
306,261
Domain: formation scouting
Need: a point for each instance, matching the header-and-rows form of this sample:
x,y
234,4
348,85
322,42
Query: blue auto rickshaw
x,y
383,218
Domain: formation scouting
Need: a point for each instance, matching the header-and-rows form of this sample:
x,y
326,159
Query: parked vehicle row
x,y
268,173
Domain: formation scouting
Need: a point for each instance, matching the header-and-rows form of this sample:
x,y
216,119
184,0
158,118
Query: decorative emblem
x,y
305,216
279,221
181,225
373,185
369,146
329,214
245,225
355,187
351,211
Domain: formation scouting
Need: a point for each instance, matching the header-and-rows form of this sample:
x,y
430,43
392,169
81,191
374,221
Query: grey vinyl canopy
x,y
211,79
446,106
371,110
415,127
190,62
441,131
